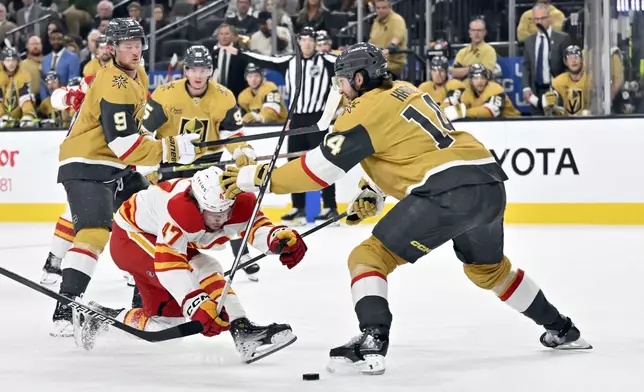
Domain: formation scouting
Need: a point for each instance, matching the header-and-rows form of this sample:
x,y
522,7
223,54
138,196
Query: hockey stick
x,y
305,234
180,331
199,166
271,165
293,132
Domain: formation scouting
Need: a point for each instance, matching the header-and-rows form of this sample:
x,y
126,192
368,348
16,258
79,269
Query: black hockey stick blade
x,y
306,233
180,331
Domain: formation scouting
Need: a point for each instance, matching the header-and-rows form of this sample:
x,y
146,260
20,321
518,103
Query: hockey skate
x,y
296,217
62,319
326,214
51,272
568,338
255,342
365,352
88,328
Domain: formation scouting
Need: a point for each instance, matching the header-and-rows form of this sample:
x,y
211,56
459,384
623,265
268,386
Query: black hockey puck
x,y
311,376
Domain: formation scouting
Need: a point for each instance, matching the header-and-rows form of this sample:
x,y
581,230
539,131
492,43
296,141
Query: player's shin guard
x,y
61,242
214,286
369,292
80,262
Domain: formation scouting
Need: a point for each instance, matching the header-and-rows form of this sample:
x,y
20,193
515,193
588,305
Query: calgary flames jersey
x,y
406,145
448,94
173,111
266,102
573,96
492,102
104,137
15,94
168,212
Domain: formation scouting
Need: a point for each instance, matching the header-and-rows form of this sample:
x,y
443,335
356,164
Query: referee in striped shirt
x,y
317,74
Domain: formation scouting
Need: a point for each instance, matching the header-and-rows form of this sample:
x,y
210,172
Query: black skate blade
x,y
267,353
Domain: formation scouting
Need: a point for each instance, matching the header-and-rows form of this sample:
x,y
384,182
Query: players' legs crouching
x,y
61,243
472,216
91,207
134,252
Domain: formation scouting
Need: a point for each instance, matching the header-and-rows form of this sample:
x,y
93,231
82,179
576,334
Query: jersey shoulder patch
x,y
112,85
185,214
243,208
493,88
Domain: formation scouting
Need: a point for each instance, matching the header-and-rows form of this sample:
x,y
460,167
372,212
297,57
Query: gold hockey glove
x,y
369,202
244,156
235,180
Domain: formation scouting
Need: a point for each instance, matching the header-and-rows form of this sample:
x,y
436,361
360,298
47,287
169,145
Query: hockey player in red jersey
x,y
158,235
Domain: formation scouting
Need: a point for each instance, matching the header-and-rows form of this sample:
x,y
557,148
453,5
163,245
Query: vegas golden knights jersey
x,y
214,115
104,137
266,102
573,96
448,94
92,67
492,102
62,118
15,94
403,142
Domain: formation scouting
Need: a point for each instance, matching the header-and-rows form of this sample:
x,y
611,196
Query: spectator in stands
x,y
242,20
255,7
31,12
18,103
54,25
482,98
102,24
71,46
229,68
314,14
528,26
160,17
32,64
538,66
77,18
101,57
261,41
89,51
104,9
478,52
389,32
6,26
134,11
61,61
282,18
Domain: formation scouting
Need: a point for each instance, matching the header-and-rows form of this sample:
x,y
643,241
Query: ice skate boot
x,y
567,338
62,319
252,271
255,342
297,217
86,332
326,214
51,272
365,352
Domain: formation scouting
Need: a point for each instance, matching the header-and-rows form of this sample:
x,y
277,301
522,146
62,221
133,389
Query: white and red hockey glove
x,y
288,244
199,306
74,99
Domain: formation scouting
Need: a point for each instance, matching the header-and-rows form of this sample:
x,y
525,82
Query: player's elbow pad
x,y
58,99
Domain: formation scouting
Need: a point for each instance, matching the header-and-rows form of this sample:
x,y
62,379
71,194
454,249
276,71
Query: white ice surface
x,y
447,334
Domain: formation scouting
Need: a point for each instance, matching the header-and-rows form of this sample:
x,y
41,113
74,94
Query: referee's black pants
x,y
305,143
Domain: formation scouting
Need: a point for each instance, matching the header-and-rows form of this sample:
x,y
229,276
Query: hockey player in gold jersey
x,y
15,92
449,187
198,105
261,101
103,140
101,59
571,94
46,111
444,91
483,98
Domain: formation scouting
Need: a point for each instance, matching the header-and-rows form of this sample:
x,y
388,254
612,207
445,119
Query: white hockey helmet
x,y
207,191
